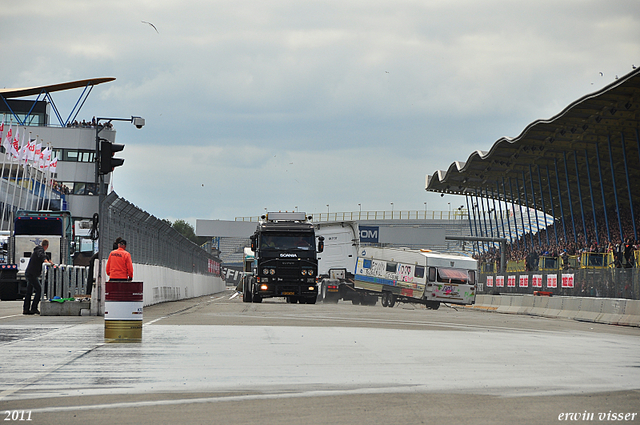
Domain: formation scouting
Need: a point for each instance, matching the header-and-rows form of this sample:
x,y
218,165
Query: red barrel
x,y
123,311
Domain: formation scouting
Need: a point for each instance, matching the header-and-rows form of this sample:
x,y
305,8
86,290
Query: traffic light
x,y
107,161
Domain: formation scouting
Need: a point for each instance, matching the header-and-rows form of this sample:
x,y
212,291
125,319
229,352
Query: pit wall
x,y
610,311
162,284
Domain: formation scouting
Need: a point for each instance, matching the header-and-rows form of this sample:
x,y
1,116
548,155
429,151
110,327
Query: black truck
x,y
284,259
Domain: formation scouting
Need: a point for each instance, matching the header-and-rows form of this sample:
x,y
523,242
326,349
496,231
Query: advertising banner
x,y
567,280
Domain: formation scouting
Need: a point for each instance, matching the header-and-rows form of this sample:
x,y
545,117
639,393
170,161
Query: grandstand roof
x,y
35,91
567,147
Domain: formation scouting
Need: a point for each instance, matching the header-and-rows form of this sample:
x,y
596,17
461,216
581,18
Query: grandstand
x,y
572,182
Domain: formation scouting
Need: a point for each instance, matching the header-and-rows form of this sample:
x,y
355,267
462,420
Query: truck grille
x,y
288,272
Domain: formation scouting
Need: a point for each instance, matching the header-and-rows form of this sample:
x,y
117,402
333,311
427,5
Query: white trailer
x,y
417,276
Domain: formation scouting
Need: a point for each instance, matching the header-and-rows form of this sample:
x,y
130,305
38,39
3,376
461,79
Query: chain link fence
x,y
150,240
605,283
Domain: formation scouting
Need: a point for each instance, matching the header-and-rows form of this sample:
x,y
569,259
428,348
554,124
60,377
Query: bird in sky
x,y
153,26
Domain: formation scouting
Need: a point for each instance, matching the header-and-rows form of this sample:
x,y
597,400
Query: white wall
x,y
160,285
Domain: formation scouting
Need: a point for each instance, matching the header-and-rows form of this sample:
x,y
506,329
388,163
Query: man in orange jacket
x,y
119,266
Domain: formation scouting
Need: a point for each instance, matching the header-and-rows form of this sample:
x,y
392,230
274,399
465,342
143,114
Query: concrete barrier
x,y
590,309
570,307
67,308
631,316
540,304
612,311
553,307
598,310
506,303
527,304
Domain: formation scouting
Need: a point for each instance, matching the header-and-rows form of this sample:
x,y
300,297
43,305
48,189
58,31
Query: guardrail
x,y
381,215
65,281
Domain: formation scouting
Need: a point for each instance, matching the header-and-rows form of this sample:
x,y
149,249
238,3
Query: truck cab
x,y
285,262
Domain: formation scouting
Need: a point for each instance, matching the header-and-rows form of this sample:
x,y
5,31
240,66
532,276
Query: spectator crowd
x,y
89,124
559,240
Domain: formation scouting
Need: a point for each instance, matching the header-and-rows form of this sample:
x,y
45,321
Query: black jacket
x,y
35,261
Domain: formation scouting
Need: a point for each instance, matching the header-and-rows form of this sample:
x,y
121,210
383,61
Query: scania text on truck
x,y
284,262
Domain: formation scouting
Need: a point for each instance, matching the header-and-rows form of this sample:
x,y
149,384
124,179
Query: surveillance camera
x,y
138,122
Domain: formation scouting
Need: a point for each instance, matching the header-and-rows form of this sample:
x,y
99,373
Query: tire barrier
x,y
611,311
123,311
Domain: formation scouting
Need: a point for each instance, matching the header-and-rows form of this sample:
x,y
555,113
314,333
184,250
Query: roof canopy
x,y
45,92
35,91
589,151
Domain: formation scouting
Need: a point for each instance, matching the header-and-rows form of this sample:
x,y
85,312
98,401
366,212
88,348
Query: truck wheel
x,y
331,300
257,298
385,299
355,300
391,300
311,300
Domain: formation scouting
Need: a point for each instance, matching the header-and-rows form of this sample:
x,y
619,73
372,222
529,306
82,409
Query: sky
x,y
320,106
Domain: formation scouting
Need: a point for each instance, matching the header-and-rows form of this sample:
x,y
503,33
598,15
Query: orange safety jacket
x,y
119,265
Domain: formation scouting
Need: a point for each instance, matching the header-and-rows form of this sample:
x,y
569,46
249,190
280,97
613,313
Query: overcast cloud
x,y
282,104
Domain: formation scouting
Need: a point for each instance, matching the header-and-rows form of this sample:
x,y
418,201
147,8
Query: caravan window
x,y
392,267
419,272
452,275
432,274
472,277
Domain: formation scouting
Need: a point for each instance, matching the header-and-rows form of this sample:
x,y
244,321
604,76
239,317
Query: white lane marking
x,y
315,393
185,309
7,317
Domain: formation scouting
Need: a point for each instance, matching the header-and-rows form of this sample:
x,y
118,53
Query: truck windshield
x,y
287,241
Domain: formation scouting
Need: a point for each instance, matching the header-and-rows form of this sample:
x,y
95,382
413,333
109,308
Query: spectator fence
x,y
151,241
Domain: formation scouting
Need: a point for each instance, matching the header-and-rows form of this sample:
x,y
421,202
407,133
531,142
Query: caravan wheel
x,y
391,300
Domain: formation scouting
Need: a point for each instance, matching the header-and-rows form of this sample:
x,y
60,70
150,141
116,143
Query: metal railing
x,y
65,281
381,215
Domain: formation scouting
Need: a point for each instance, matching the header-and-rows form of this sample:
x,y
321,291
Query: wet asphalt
x,y
215,359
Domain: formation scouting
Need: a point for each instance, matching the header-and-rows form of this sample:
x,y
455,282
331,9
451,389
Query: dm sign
x,y
369,234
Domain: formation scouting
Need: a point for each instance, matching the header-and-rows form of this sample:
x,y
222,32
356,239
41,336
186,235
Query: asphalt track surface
x,y
217,360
